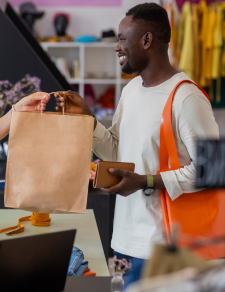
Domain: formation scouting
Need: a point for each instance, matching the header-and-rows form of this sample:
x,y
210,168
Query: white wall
x,y
86,20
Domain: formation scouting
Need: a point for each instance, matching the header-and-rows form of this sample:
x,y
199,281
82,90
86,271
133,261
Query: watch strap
x,y
150,181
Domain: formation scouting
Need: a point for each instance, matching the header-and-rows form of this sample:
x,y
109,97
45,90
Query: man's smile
x,y
122,58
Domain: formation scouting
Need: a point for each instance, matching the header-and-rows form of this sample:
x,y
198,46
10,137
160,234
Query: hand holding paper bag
x,y
34,102
72,103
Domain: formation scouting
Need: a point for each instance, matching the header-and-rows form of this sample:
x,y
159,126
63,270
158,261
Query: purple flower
x,y
10,93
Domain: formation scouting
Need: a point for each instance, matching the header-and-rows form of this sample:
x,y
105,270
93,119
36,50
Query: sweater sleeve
x,y
195,120
105,141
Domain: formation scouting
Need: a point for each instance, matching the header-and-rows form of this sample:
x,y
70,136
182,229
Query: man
x,y
144,35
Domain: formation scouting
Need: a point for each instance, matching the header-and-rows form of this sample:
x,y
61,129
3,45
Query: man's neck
x,y
157,73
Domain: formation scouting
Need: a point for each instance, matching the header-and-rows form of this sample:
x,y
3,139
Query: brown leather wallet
x,y
104,179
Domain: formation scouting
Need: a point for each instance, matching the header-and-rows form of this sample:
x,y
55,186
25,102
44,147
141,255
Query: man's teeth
x,y
122,57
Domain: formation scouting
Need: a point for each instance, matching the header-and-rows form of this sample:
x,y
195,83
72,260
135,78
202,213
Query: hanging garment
x,y
204,13
217,51
76,265
217,43
209,42
196,42
186,59
223,35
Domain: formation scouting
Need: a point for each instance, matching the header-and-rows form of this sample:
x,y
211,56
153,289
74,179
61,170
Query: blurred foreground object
x,y
210,164
164,261
185,280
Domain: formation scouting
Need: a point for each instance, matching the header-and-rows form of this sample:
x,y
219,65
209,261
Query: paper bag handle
x,y
63,109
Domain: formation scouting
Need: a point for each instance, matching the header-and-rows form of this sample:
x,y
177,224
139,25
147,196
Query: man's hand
x,y
72,102
130,183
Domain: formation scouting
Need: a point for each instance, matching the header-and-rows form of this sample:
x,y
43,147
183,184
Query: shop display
x,y
77,265
197,44
30,13
86,39
60,22
109,36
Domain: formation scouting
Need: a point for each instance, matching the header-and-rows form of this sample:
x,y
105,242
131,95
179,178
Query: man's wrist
x,y
143,182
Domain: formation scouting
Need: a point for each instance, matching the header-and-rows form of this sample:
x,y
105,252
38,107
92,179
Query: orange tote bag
x,y
199,215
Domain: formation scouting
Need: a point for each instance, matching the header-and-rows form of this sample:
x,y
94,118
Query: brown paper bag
x,y
48,162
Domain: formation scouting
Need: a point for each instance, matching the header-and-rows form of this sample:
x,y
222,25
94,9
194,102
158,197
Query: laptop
x,y
36,263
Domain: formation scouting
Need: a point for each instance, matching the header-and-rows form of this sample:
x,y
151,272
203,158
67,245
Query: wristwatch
x,y
149,189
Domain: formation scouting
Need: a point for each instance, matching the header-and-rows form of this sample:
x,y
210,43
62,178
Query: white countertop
x,y
87,237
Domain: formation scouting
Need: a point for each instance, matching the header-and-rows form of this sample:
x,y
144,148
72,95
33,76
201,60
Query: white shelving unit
x,y
94,58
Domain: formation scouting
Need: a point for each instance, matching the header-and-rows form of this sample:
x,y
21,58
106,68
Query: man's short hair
x,y
155,18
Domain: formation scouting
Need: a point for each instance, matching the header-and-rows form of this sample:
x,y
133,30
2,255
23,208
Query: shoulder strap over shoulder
x,y
167,146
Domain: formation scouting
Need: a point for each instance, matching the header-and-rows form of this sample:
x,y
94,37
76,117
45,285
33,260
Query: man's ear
x,y
147,40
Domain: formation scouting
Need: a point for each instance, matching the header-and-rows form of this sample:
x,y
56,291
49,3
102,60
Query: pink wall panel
x,y
70,2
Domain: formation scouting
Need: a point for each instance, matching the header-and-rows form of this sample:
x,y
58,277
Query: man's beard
x,y
127,69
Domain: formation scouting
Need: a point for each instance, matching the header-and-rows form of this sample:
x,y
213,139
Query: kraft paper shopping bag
x,y
48,162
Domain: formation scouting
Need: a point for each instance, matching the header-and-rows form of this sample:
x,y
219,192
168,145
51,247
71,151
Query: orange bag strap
x,y
167,144
168,151
37,219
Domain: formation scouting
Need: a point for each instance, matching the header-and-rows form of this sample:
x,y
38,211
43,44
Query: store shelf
x,y
93,59
99,81
74,81
77,45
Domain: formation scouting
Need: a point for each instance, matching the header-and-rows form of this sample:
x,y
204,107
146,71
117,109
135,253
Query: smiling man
x,y
144,35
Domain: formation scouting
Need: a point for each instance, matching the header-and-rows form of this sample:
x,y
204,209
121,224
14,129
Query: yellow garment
x,y
223,34
217,50
209,41
196,42
37,219
204,12
186,59
217,43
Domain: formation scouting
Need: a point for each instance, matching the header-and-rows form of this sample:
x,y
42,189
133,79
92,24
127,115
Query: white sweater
x,y
134,137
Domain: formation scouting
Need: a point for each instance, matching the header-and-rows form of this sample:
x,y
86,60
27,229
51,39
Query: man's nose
x,y
118,47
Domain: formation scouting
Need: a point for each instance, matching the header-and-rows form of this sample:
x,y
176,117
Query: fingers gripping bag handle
x,y
63,108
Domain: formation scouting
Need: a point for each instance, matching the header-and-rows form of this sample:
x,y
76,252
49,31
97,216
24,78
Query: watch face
x,y
148,191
